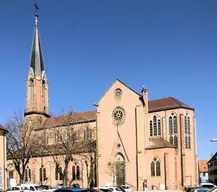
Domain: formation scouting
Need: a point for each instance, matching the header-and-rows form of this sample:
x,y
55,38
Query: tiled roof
x,y
158,142
203,166
2,128
154,105
75,117
166,103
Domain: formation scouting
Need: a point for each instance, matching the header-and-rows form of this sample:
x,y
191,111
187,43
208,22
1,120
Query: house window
x,y
173,130
1,176
11,174
155,167
155,126
187,132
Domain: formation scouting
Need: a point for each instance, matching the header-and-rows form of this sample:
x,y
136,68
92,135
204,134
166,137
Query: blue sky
x,y
168,46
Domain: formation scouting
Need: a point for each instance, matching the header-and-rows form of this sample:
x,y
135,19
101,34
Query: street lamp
x,y
213,140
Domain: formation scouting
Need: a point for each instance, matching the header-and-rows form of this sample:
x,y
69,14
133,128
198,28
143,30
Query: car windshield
x,y
24,188
38,188
207,186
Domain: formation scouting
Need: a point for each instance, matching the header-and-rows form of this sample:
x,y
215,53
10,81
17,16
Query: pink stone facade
x,y
138,142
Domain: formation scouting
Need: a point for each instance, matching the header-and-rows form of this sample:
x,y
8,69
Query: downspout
x,y
182,180
165,170
136,134
4,160
97,152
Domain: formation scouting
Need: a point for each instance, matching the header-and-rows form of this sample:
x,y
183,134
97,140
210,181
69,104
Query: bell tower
x,y
37,101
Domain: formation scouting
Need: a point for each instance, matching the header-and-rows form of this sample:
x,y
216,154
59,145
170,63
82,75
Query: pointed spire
x,y
36,63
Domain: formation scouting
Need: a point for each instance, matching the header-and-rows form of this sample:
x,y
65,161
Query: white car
x,y
18,189
127,188
33,187
115,189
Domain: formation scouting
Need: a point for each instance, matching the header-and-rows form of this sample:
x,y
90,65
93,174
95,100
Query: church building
x,y
152,142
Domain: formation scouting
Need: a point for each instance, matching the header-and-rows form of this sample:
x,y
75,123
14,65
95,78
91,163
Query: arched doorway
x,y
120,169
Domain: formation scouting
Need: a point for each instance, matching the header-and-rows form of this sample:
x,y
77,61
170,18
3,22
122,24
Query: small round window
x,y
118,93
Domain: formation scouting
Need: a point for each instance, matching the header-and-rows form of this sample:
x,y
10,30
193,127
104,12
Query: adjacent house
x,y
203,171
212,169
3,176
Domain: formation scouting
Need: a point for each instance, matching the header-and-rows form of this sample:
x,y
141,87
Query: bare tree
x,y
65,143
20,143
116,170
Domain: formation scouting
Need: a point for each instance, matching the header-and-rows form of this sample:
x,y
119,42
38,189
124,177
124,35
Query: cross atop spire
x,y
36,13
36,63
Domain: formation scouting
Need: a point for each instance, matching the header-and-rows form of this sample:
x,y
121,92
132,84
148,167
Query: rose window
x,y
118,115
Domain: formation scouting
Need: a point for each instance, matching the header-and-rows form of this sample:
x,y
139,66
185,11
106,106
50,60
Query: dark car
x,y
68,189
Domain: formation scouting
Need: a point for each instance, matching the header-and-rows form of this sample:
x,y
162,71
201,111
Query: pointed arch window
x,y
27,174
188,128
171,139
159,127
73,173
152,169
77,172
155,167
155,126
151,129
58,173
175,125
170,126
173,130
44,174
186,141
176,140
187,132
186,125
31,85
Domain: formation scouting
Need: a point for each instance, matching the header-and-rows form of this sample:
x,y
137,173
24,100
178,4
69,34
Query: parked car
x,y
104,189
47,188
33,187
68,189
207,185
18,189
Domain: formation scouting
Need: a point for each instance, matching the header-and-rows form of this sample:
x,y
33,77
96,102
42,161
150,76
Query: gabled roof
x,y
166,104
3,129
158,142
112,85
86,116
213,158
203,166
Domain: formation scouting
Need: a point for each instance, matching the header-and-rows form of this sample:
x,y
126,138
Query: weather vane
x,y
36,9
